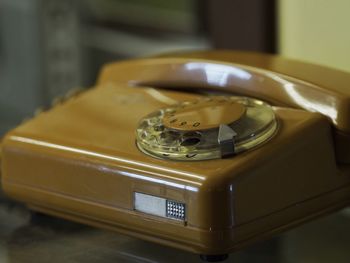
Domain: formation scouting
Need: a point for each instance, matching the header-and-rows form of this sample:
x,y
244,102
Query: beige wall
x,y
317,31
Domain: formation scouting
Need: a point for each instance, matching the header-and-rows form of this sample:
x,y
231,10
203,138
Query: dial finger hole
x,y
191,139
190,155
167,134
144,134
158,127
169,137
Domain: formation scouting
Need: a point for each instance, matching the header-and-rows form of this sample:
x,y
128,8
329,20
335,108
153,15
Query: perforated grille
x,y
175,210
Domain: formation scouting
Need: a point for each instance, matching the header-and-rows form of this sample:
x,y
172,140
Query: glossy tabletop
x,y
27,237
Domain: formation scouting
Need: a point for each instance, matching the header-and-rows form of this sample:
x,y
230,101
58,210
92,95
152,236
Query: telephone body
x,y
205,151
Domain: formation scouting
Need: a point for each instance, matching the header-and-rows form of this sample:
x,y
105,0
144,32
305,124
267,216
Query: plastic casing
x,y
79,160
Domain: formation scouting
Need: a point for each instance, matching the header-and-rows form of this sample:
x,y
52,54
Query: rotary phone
x,y
207,151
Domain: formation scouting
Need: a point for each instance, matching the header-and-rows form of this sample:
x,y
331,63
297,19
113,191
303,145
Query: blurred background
x,y
48,47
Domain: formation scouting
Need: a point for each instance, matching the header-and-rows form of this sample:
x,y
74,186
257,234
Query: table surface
x,y
28,237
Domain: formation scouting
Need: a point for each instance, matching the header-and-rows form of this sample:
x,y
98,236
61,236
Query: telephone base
x,y
319,204
148,162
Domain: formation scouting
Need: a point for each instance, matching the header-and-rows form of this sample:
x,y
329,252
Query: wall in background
x,y
48,47
316,31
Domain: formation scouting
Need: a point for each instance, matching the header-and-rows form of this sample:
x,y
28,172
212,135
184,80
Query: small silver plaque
x,y
150,204
159,206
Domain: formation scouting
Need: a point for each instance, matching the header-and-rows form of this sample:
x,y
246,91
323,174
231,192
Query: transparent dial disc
x,y
208,128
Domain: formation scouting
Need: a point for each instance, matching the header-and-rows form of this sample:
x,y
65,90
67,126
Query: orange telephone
x,y
206,151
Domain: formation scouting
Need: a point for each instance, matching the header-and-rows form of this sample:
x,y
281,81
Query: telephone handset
x,y
143,154
279,81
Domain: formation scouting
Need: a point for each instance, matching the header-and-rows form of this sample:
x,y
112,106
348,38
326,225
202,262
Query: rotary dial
x,y
207,128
